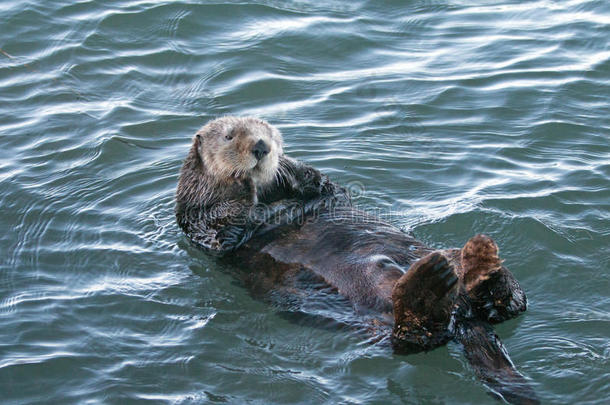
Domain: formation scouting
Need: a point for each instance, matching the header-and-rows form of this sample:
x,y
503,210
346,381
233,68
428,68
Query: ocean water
x,y
450,118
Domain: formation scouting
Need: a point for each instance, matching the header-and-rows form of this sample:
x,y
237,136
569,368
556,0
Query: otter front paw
x,y
231,237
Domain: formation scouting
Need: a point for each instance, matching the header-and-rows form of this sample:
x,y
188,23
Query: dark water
x,y
451,118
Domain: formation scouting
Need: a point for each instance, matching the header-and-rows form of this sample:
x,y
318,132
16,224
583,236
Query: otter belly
x,y
358,255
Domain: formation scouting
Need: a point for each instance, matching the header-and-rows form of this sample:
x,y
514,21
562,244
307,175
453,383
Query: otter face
x,y
240,148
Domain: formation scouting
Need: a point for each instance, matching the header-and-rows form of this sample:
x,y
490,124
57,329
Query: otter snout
x,y
260,149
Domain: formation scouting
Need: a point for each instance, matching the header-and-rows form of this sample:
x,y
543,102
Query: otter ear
x,y
197,142
197,159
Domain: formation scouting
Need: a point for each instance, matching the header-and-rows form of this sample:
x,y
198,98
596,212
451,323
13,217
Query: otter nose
x,y
260,149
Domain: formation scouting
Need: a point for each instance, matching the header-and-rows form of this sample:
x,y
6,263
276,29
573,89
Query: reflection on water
x,y
452,117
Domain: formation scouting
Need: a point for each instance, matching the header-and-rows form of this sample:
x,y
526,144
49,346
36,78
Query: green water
x,y
449,118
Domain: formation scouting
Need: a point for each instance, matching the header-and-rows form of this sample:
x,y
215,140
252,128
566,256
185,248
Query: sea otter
x,y
241,198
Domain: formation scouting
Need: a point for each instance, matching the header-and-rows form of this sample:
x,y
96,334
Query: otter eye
x,y
230,135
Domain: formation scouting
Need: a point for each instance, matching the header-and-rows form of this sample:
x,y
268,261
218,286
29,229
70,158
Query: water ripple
x,y
454,119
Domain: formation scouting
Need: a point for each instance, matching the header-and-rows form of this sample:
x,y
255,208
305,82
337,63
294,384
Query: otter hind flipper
x,y
423,299
495,293
480,260
487,356
499,298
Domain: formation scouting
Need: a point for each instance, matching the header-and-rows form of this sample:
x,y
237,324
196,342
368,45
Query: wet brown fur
x,y
415,289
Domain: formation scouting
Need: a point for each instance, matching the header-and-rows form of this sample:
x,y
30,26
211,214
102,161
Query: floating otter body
x,y
238,196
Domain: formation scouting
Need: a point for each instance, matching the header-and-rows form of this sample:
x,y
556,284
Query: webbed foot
x,y
495,293
423,300
479,260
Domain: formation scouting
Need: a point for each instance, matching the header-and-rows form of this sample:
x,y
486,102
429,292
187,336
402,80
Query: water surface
x,y
450,118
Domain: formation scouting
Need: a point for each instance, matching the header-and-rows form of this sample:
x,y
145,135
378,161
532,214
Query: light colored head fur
x,y
224,153
225,147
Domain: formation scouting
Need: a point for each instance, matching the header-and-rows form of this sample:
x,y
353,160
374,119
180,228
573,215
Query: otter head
x,y
241,148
